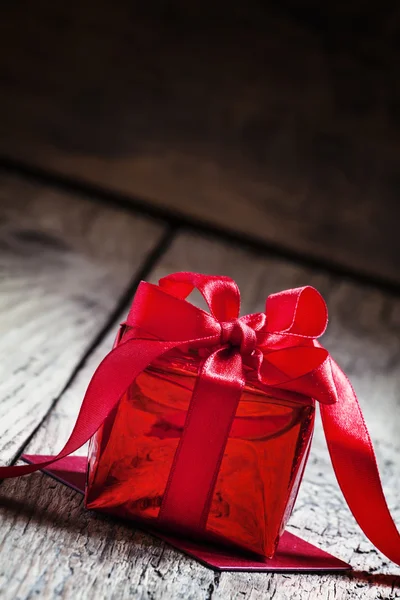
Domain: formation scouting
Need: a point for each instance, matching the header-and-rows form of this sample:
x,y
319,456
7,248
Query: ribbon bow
x,y
279,348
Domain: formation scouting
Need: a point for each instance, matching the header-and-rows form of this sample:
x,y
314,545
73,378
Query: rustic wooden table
x,y
68,266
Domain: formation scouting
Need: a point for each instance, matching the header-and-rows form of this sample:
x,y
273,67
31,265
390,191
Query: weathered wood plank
x,y
65,262
270,119
79,555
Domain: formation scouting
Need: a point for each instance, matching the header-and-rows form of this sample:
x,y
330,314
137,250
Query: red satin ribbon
x,y
280,346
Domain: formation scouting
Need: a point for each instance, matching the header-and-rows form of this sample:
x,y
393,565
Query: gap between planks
x,y
179,220
65,265
110,327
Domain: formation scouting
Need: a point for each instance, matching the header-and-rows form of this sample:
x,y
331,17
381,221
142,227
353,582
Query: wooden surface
x,y
275,120
49,546
64,265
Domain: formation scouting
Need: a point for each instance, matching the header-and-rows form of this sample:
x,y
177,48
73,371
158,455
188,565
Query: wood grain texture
x,y
272,119
75,554
64,264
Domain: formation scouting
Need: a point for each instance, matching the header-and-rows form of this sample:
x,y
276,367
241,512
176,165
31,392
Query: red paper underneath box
x,y
293,554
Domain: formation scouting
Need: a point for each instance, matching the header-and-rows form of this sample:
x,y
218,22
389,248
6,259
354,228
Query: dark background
x,y
276,122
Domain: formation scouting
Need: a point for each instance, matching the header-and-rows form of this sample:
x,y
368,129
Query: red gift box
x,y
260,454
201,422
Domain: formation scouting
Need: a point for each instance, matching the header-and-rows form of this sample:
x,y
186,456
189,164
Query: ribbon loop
x,y
221,293
301,311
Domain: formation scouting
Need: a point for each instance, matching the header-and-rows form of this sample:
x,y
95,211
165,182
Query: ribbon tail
x,y
356,469
110,381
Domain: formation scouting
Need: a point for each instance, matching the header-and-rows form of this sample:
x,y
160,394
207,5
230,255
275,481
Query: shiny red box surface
x,y
131,456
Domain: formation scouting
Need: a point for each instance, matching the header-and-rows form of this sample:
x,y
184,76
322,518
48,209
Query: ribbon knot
x,y
238,334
